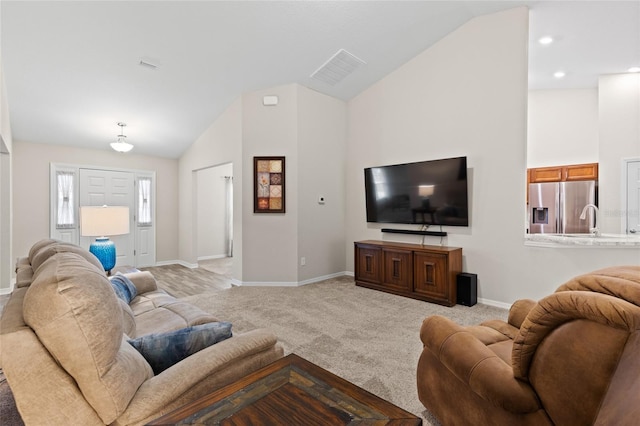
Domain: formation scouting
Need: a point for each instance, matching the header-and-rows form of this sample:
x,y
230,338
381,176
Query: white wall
x,y
619,123
562,127
220,144
6,256
31,191
270,240
322,131
466,95
212,211
309,130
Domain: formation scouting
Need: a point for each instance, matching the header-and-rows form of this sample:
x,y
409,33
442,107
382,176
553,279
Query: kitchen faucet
x,y
595,231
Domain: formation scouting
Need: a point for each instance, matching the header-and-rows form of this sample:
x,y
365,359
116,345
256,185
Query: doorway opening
x,y
214,219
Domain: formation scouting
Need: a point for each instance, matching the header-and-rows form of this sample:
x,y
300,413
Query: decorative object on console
x,y
100,222
121,145
268,181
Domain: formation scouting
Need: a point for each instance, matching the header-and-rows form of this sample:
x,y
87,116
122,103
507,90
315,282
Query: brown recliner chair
x,y
573,358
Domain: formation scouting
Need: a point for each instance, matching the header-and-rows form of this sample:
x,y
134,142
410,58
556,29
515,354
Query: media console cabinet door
x,y
398,269
368,264
431,276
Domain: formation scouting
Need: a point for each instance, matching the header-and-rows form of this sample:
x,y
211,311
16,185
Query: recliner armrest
x,y
203,369
143,280
519,311
476,365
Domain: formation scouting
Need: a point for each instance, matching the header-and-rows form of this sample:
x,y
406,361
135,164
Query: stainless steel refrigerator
x,y
555,207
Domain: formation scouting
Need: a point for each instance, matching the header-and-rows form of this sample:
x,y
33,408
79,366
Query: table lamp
x,y
425,191
100,222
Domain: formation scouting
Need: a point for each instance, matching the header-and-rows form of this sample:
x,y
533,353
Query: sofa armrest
x,y
519,311
24,272
200,374
143,280
477,366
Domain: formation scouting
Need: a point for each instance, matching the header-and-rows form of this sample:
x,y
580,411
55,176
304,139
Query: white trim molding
x,y
287,283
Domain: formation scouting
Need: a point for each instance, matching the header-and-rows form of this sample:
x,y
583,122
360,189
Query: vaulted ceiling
x,y
73,69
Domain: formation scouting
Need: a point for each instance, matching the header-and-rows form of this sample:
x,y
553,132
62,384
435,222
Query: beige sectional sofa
x,y
64,349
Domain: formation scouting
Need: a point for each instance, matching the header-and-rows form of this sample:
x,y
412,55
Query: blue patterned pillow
x,y
123,287
162,350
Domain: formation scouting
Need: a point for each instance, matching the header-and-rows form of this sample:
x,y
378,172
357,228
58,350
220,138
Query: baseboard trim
x,y
12,286
495,303
322,278
215,256
286,283
177,262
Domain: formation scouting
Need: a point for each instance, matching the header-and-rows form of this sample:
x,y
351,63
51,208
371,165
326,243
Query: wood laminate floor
x,y
180,281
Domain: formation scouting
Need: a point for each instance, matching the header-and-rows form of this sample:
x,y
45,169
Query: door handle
x,y
632,230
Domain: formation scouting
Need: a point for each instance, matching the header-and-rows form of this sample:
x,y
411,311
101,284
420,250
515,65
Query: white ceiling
x,y
72,68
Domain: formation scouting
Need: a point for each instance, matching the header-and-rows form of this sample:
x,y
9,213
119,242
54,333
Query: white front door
x,y
633,197
111,188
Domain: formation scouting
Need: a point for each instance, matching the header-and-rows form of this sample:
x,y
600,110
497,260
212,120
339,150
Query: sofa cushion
x,y
162,350
75,313
172,315
40,245
123,287
128,319
24,272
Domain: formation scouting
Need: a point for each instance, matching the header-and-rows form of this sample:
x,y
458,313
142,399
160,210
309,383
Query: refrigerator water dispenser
x,y
540,215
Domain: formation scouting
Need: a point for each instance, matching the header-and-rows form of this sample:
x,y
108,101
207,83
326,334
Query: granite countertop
x,y
583,240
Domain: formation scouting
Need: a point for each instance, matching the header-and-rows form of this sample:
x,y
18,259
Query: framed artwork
x,y
268,181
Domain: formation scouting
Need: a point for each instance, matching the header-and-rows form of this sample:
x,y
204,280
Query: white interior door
x,y
111,188
633,197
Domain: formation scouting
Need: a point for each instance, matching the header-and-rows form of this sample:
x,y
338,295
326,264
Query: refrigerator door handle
x,y
559,212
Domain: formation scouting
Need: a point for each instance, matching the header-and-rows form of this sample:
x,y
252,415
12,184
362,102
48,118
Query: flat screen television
x,y
424,193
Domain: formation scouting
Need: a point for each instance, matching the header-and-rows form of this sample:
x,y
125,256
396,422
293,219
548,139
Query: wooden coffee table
x,y
291,391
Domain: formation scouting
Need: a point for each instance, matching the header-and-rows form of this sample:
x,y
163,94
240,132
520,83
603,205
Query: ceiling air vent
x,y
337,67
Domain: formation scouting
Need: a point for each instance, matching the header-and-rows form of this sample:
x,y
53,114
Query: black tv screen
x,y
425,193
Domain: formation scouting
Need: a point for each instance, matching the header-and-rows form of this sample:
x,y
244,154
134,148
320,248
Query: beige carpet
x,y
367,337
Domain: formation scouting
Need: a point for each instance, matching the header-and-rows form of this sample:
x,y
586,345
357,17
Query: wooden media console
x,y
418,271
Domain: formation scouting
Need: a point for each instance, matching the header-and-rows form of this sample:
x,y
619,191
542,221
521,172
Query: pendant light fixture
x,y
121,145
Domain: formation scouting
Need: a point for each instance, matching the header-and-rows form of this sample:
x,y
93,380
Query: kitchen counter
x,y
583,240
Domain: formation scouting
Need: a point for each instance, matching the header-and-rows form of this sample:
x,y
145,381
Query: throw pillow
x,y
162,350
123,287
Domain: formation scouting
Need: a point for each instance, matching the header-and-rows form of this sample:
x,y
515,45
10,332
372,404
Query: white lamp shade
x,y
425,190
121,146
104,221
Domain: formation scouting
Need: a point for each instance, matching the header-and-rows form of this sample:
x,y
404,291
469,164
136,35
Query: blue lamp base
x,y
105,250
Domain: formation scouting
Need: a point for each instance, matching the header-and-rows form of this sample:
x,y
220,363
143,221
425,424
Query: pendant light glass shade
x,y
121,145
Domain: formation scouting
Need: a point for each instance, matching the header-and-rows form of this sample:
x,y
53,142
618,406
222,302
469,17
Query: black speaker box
x,y
467,287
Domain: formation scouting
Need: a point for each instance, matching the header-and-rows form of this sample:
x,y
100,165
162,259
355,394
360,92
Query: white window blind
x,y
65,216
144,201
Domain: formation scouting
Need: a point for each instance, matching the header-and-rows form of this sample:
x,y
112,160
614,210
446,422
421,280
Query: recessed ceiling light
x,y
545,40
634,69
559,74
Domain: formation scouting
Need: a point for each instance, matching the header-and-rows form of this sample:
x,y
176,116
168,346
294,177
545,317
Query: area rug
x,y
368,337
